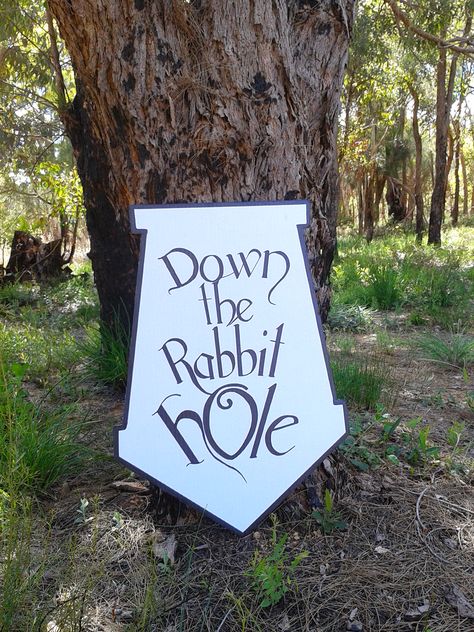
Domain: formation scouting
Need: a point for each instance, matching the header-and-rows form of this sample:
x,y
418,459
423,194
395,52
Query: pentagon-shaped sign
x,y
230,400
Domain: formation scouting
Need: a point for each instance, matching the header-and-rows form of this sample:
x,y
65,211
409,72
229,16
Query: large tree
x,y
202,101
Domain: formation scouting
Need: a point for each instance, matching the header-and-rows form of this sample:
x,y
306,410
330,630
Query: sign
x,y
230,402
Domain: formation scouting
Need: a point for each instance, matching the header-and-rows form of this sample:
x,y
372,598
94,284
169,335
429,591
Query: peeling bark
x,y
201,102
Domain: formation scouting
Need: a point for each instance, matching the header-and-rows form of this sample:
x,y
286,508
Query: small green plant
x,y
384,291
327,517
349,317
416,319
272,574
385,342
454,434
357,448
82,511
458,460
416,449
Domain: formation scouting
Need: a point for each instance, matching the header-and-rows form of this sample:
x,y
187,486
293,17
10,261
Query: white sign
x,y
230,399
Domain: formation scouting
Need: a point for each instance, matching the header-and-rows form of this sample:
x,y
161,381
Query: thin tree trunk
x,y
457,181
360,207
418,184
439,187
465,185
444,98
369,204
404,195
379,187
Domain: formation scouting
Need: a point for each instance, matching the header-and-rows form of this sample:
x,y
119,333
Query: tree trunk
x,y
465,186
418,185
379,188
457,180
199,102
394,200
438,199
369,201
202,101
444,99
360,207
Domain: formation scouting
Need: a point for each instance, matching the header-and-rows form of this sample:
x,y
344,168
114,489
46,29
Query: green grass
x,y
106,354
358,381
394,272
37,446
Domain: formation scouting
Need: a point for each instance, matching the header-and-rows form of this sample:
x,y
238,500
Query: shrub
x,y
349,317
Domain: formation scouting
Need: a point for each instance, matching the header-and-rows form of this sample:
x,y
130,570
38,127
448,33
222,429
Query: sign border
x,y
141,261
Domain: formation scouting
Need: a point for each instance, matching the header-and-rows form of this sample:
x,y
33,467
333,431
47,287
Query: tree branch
x,y
56,63
402,17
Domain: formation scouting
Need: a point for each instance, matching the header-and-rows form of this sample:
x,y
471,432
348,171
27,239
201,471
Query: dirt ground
x,y
404,562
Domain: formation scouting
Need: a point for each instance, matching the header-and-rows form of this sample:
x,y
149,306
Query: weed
x,y
385,342
328,519
359,451
18,580
416,319
271,574
82,511
414,448
383,283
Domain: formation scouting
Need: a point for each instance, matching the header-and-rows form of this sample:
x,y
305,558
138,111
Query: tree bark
x,y
393,197
200,102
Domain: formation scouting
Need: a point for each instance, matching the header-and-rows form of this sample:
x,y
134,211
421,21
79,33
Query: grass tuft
x,y
455,349
359,382
37,446
106,352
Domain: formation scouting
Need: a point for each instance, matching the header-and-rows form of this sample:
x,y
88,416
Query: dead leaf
x,y
456,598
164,549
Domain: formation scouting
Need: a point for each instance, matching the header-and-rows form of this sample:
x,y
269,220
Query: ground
x,y
404,562
392,549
